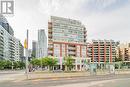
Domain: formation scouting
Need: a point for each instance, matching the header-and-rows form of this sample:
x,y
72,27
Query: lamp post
x,y
26,54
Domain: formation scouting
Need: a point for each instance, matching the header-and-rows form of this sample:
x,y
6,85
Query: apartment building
x,y
124,51
41,44
102,51
67,37
9,45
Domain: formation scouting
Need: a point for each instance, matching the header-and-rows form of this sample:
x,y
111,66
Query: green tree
x,y
8,64
21,65
68,62
18,65
50,62
15,65
35,62
44,61
2,64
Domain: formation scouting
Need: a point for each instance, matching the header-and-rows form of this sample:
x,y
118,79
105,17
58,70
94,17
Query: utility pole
x,y
26,54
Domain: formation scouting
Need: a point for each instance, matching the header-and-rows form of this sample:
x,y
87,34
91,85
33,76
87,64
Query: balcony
x,y
50,40
50,51
71,52
49,25
71,48
50,31
50,36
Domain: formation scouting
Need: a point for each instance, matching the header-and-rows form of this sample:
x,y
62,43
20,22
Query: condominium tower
x,y
9,45
41,44
67,37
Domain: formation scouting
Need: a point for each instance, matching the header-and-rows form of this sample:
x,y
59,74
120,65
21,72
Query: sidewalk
x,y
11,77
45,75
42,75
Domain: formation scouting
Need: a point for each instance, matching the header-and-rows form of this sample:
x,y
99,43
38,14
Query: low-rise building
x,y
124,51
102,51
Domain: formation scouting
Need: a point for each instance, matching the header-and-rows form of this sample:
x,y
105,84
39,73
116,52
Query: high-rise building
x,y
42,44
9,45
34,49
18,50
21,51
102,51
67,37
4,23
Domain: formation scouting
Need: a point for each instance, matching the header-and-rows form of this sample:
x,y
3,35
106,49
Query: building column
x,y
92,53
76,60
86,51
65,50
98,53
110,54
80,57
61,56
80,64
53,50
61,63
76,68
105,53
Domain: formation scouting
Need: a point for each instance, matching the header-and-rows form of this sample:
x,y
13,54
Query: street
x,y
10,75
121,80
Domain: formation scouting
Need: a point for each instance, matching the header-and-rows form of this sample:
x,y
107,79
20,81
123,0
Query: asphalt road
x,y
89,81
10,75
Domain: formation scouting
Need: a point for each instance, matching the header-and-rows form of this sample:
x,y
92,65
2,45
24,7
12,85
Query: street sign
x,y
25,44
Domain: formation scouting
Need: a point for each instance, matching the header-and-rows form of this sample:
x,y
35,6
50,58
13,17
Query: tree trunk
x,y
48,68
66,68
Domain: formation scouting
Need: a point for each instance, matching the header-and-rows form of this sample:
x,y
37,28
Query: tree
x,y
21,64
8,64
51,62
35,62
2,64
15,65
18,64
47,61
68,62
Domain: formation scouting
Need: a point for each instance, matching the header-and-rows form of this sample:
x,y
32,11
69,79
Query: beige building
x,y
124,51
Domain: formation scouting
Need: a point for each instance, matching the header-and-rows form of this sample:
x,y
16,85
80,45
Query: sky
x,y
103,19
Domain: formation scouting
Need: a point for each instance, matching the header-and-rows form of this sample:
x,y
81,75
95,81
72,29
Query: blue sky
x,y
104,19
